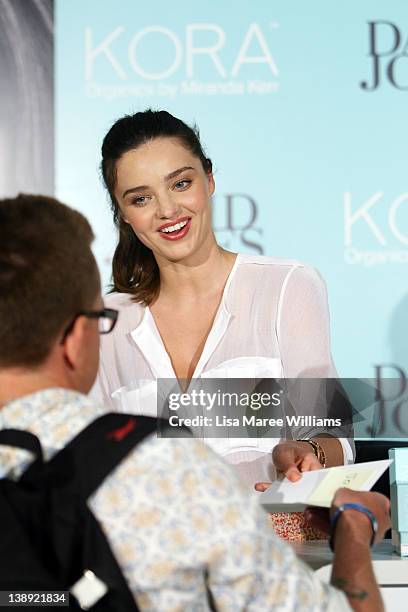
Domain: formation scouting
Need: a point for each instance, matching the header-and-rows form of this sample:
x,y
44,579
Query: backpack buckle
x,y
88,590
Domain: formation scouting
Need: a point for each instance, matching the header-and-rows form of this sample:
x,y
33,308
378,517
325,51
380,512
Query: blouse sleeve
x,y
303,326
303,332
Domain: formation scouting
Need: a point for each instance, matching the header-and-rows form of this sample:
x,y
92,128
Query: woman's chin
x,y
191,249
176,253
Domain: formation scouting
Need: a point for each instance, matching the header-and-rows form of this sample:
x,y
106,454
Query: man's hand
x,y
293,458
352,570
377,503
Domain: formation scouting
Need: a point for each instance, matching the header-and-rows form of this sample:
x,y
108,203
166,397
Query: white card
x,y
318,488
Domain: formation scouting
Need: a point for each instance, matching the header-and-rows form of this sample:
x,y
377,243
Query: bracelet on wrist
x,y
359,508
318,451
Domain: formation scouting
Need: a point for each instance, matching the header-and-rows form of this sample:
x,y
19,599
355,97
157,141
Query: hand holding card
x,y
317,488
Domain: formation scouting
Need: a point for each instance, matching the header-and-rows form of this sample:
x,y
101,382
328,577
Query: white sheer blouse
x,y
272,322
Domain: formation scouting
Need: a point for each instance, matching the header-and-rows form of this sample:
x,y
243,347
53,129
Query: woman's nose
x,y
167,207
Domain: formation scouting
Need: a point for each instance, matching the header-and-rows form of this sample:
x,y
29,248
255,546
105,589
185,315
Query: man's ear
x,y
74,344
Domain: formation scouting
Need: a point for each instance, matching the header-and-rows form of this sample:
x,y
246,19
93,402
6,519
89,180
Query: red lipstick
x,y
175,234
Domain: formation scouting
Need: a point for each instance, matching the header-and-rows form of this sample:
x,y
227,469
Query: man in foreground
x,y
181,526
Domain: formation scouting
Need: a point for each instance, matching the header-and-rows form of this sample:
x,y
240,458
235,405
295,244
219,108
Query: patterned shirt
x,y
177,519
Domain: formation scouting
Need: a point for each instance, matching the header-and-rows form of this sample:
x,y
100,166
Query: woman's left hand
x,y
291,458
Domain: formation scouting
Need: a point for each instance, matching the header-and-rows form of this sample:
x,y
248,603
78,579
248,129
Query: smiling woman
x,y
149,161
169,205
189,308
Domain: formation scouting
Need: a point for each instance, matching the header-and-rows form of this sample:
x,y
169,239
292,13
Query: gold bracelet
x,y
318,451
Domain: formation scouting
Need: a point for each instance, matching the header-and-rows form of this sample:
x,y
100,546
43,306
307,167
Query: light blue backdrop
x,y
276,89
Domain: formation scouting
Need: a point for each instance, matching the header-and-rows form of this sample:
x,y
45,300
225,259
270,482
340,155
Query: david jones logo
x,y
388,55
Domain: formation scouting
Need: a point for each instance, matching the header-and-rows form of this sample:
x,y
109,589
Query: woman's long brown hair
x,y
134,267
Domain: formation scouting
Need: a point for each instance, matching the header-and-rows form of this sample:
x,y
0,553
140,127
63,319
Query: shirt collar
x,y
27,409
54,415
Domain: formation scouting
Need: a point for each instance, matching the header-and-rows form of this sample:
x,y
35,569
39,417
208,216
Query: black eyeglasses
x,y
107,318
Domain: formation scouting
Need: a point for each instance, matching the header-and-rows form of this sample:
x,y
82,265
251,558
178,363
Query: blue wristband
x,y
359,508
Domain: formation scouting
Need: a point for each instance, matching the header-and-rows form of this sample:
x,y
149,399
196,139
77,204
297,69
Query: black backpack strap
x,y
98,449
21,439
72,475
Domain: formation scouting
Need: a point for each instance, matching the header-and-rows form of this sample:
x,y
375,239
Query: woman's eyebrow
x,y
177,172
134,190
167,177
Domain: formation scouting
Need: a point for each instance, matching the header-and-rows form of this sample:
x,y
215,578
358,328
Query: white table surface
x,y
317,553
390,569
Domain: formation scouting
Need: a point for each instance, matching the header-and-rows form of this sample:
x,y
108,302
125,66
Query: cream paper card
x,y
318,488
